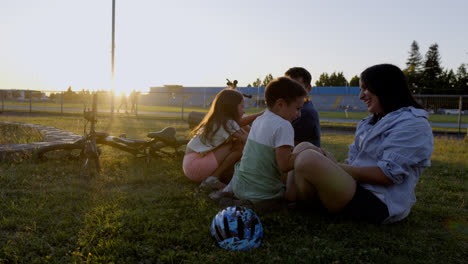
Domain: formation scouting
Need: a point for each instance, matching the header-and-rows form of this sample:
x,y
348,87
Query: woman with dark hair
x,y
391,148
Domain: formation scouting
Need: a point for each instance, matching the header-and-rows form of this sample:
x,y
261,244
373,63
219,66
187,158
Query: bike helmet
x,y
237,228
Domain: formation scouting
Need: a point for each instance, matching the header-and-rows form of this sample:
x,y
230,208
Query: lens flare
x,y
458,227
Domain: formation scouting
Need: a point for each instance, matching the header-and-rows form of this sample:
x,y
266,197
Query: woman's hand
x,y
328,155
241,135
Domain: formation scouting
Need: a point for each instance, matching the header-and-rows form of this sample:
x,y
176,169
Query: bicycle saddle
x,y
167,135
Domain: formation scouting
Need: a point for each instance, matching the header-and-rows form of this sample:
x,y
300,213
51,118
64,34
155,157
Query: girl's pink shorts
x,y
197,167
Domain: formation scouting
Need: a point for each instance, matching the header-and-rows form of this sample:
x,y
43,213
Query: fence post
x,y
3,98
112,94
183,99
460,106
30,101
136,104
61,103
258,94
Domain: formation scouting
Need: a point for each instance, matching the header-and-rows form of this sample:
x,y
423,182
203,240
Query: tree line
x,y
83,96
425,75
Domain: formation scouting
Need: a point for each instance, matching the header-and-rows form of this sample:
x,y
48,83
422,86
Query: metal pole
x,y
30,101
460,104
183,99
113,52
61,103
258,94
136,104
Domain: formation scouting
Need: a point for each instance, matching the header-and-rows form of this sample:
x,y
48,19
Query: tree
x,y
354,81
257,83
267,79
334,79
414,69
415,59
323,80
338,79
16,94
462,80
432,69
448,82
69,95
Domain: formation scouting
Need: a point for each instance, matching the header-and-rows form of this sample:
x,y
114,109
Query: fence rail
x,y
179,104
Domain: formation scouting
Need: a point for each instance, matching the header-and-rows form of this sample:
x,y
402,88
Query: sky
x,y
53,44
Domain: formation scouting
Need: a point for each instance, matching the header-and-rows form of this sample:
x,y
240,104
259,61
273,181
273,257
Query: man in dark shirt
x,y
306,127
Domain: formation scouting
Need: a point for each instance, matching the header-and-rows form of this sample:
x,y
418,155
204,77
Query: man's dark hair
x,y
283,88
299,72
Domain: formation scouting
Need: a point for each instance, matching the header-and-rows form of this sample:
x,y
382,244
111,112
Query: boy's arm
x,y
285,158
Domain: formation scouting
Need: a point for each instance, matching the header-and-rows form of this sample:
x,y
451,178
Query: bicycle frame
x,y
89,150
146,148
140,148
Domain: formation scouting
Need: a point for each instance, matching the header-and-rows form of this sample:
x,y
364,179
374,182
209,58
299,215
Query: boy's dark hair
x,y
390,85
283,88
299,72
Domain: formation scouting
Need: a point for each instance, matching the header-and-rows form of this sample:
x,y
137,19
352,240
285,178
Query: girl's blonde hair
x,y
224,107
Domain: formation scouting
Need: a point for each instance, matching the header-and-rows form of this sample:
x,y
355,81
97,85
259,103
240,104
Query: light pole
x,y
112,63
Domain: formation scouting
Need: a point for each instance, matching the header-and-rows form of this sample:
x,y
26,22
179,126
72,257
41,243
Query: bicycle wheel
x,y
89,159
42,152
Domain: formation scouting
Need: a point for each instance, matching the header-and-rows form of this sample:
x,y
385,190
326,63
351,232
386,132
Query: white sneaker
x,y
212,183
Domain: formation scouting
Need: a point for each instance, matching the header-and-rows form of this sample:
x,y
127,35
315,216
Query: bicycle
x,y
90,152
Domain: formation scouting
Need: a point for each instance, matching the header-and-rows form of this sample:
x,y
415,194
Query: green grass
x,y
14,134
133,213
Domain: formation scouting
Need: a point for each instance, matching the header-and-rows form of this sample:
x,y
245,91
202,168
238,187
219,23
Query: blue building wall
x,y
324,98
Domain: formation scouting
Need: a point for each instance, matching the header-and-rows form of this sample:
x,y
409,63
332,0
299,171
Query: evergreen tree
x,y
448,82
414,69
432,69
267,79
462,79
257,83
414,61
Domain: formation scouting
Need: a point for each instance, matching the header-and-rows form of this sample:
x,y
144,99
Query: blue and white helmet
x,y
237,228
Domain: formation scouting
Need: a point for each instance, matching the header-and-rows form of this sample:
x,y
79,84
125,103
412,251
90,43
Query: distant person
x,y
307,126
233,86
346,110
268,152
133,99
123,102
391,148
217,142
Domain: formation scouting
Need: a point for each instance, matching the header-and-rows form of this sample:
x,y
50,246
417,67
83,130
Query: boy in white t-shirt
x,y
268,151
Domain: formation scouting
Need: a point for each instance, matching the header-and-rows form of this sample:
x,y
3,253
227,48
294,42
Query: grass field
x,y
133,213
12,134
